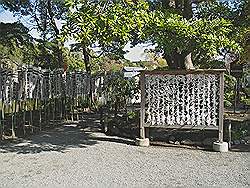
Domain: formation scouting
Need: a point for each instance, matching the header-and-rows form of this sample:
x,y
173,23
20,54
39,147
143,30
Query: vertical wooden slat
x,y
24,118
53,109
221,107
1,128
13,114
40,115
16,112
2,119
31,114
72,108
61,107
142,119
77,104
229,134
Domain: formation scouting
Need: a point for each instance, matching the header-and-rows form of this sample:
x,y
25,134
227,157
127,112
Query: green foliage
x,y
229,94
16,6
73,60
43,14
237,12
204,29
199,36
239,133
119,90
132,115
107,24
107,64
16,45
216,28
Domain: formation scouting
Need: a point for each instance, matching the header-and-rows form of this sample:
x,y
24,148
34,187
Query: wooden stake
x,y
77,113
2,115
72,109
142,119
229,134
31,117
40,115
13,114
221,107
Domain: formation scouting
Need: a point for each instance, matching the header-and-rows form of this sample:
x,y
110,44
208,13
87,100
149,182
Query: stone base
x,y
220,146
142,142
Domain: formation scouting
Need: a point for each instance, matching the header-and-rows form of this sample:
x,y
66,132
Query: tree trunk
x,y
179,60
88,70
175,60
57,32
86,60
188,61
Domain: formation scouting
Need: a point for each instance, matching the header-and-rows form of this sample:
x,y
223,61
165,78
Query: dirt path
x,y
80,155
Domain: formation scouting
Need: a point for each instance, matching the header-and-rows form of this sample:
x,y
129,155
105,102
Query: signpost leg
x,y
142,141
221,146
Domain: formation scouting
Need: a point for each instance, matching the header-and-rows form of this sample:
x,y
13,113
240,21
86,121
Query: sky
x,y
135,54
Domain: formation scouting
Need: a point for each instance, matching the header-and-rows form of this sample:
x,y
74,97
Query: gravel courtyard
x,y
74,155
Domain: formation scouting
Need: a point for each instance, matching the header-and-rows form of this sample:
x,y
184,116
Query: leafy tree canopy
x,y
16,45
237,12
182,30
204,38
106,24
20,6
185,34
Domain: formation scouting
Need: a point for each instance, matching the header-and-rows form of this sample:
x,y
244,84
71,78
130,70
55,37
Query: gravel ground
x,y
75,155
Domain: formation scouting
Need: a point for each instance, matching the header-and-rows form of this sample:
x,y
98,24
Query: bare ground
x,y
80,155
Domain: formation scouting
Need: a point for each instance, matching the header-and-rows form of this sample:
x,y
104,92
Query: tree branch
x,y
52,20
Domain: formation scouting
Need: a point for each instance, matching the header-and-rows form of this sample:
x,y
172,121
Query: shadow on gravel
x,y
61,138
58,139
116,140
241,148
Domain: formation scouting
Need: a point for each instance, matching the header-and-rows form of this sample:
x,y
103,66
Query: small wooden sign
x,y
236,70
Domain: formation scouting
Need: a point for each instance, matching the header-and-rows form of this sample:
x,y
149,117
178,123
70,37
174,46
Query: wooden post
x,y
31,115
142,119
72,108
40,115
24,119
16,112
45,111
1,128
221,107
53,109
13,113
229,133
2,119
77,112
48,110
66,108
61,107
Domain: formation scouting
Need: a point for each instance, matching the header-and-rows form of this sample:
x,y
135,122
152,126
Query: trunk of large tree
x,y
86,60
59,55
57,33
177,60
88,70
188,61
